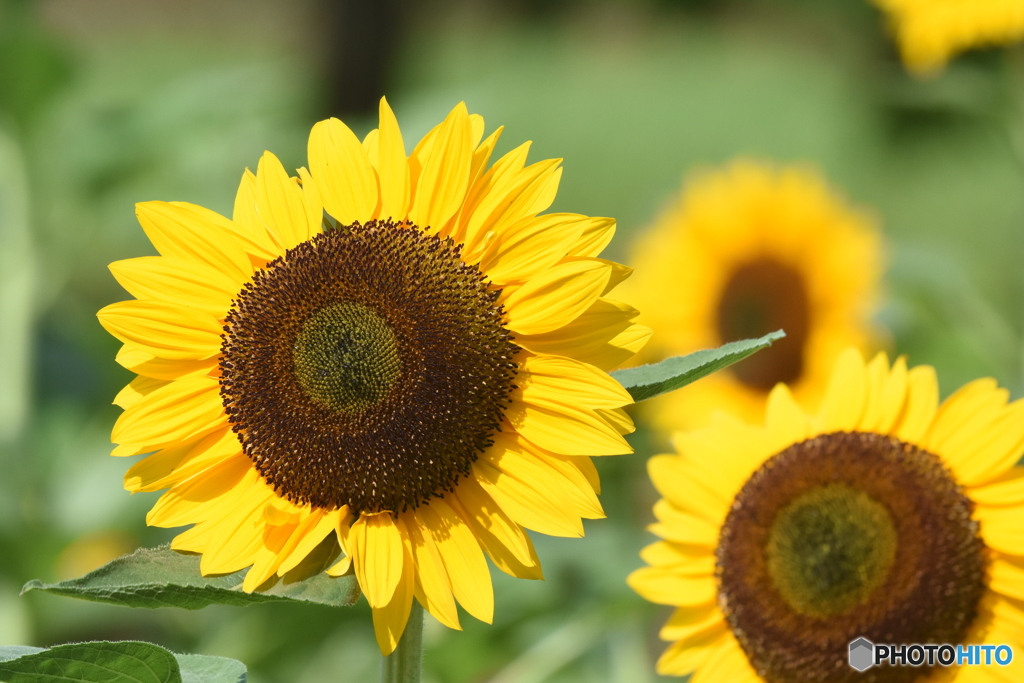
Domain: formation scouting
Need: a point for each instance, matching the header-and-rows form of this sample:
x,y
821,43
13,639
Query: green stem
x,y
404,664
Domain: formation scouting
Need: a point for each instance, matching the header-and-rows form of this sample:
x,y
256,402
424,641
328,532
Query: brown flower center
x,y
842,536
760,297
367,367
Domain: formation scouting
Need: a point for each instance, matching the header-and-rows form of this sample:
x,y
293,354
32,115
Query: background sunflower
x,y
930,32
881,515
106,104
749,249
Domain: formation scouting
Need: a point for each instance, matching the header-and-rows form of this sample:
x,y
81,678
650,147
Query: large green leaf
x,y
161,577
648,381
114,662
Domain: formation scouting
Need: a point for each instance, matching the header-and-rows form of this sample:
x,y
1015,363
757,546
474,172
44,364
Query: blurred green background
x,y
110,102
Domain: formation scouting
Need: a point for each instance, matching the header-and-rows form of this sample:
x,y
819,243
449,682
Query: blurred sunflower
x,y
421,374
884,515
930,32
745,251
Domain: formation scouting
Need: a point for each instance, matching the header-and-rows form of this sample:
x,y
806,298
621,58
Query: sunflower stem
x,y
405,663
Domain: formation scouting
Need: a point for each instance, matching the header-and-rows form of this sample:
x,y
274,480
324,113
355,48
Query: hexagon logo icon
x,y
862,654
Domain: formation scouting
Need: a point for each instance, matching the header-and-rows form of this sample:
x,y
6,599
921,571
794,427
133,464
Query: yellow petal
x,y
986,448
392,166
311,531
556,297
587,469
525,504
144,363
440,185
604,335
183,409
1007,489
515,196
975,400
689,654
498,532
687,560
432,577
313,202
463,559
389,620
193,233
531,246
486,187
616,418
168,331
1006,577
679,485
921,404
583,493
554,479
784,417
176,281
238,536
193,540
476,125
594,238
268,555
619,272
341,567
171,465
342,530
556,379
281,203
343,174
257,238
843,405
891,398
136,390
726,662
683,527
566,429
377,551
481,155
535,197
687,622
1001,528
666,586
197,499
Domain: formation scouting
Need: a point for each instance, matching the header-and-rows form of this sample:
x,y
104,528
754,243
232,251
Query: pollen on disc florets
x,y
368,366
848,535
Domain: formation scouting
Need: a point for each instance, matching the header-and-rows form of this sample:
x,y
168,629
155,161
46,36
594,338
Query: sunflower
x,y
931,31
745,251
419,375
884,515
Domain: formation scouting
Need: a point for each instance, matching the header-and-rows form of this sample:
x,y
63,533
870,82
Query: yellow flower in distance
x,y
930,32
883,515
744,251
420,376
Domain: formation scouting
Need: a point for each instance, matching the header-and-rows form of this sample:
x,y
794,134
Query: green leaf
x,y
161,577
114,662
98,662
652,380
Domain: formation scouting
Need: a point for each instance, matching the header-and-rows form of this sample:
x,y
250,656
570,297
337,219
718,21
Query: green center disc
x,y
829,548
346,357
